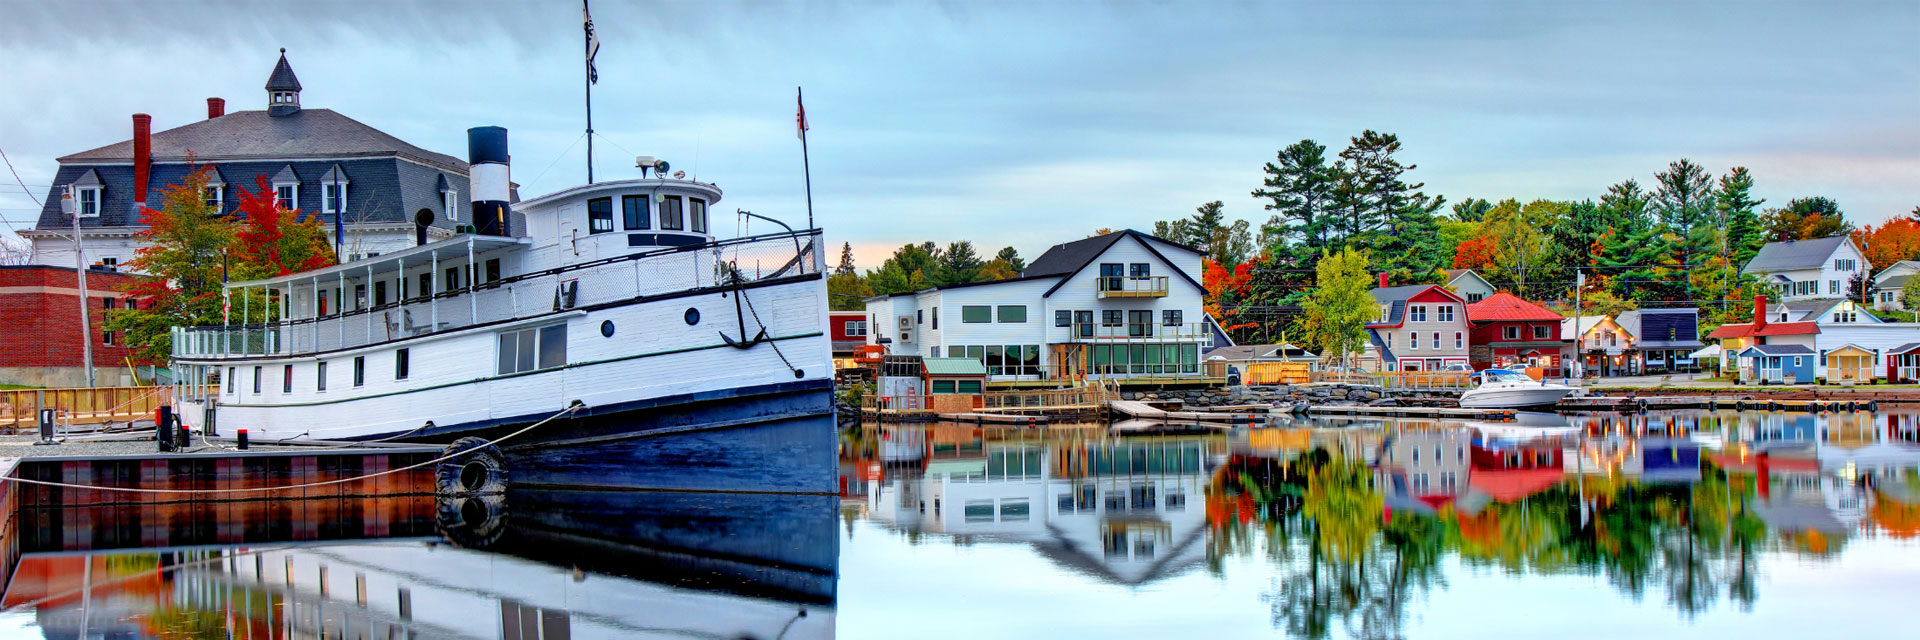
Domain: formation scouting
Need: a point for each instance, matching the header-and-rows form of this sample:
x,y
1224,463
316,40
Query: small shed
x,y
1775,363
1850,363
1903,363
955,375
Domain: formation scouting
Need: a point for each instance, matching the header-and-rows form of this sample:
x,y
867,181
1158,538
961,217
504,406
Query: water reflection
x,y
1357,520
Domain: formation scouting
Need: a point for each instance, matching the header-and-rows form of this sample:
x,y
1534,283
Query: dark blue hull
x,y
777,438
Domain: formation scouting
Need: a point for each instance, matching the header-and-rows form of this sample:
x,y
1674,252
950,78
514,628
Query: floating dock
x,y
1457,413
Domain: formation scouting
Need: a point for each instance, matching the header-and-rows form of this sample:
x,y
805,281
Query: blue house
x,y
384,193
1774,363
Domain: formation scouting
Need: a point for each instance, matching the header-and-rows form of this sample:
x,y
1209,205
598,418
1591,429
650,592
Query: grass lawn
x,y
11,387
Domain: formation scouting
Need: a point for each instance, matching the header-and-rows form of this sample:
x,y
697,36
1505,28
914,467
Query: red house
x,y
1510,332
848,330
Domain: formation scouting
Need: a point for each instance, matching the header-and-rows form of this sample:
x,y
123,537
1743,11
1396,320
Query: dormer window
x,y
286,97
285,195
86,201
451,200
214,194
333,197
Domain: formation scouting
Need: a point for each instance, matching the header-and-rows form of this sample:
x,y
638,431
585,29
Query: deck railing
x,y
1153,331
1132,286
663,271
20,408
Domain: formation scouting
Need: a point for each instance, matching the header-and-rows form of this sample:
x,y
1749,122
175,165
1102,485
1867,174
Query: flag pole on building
x,y
805,166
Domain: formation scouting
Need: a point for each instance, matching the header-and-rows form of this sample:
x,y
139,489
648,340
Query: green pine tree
x,y
1739,213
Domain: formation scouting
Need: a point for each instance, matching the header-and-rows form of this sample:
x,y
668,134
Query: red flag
x,y
801,119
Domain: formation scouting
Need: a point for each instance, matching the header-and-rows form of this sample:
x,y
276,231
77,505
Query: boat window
x,y
359,370
320,376
493,269
531,349
697,213
400,364
634,210
600,215
670,213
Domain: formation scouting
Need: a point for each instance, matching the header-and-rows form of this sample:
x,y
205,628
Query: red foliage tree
x,y
1224,285
274,241
1476,253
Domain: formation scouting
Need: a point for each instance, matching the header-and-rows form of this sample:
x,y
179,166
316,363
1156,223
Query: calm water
x,y
1758,524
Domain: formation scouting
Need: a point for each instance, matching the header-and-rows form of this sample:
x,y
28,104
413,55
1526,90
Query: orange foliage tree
x,y
1224,285
1898,239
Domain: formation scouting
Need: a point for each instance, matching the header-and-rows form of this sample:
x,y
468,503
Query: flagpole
x,y
806,168
588,27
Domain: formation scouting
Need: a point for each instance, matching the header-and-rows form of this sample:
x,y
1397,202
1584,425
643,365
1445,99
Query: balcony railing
x,y
1198,332
1133,286
523,296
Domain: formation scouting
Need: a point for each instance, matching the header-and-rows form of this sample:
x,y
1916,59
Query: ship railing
x,y
714,266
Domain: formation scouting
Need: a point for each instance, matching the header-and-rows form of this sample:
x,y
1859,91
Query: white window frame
x,y
1436,341
330,204
1459,338
1510,332
1444,313
293,202
1413,341
856,328
1417,313
219,199
80,201
451,199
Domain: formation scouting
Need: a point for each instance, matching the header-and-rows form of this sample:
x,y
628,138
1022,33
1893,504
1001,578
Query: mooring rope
x,y
576,406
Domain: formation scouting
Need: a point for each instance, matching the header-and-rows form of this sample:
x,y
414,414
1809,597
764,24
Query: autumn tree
x,y
997,269
183,247
273,241
1898,239
1806,219
1341,304
1475,253
1012,258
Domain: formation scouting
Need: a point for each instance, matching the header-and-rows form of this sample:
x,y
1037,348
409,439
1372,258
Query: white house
x,y
1125,305
1888,283
1825,328
1469,284
1808,269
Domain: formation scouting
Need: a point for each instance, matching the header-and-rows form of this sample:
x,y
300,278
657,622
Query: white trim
x,y
80,203
333,207
198,160
292,202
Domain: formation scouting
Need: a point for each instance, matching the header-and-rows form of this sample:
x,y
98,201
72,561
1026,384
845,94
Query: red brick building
x,y
1510,332
39,320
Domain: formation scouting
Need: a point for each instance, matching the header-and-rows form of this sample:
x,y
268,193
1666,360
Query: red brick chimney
x,y
1383,279
216,107
142,156
1759,310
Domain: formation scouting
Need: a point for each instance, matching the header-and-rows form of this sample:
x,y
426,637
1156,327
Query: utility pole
x,y
69,207
1579,337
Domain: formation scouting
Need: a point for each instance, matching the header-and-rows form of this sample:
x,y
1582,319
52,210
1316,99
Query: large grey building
x,y
383,191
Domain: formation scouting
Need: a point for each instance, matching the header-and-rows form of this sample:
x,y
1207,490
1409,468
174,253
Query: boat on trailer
x,y
688,362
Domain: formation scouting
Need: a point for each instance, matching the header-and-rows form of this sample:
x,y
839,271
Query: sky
x,y
1020,124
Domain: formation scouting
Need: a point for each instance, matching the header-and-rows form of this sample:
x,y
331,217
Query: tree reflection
x,y
1351,563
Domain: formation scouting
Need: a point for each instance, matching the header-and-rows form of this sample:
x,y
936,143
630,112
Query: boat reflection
x,y
529,564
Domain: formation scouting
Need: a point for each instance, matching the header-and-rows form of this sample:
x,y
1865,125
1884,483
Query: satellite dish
x,y
679,174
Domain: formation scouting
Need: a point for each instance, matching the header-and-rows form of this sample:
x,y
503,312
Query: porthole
x,y
606,328
693,316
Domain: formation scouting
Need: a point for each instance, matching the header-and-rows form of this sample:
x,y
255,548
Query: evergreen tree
x,y
1806,219
906,271
847,291
1012,258
1739,213
1471,209
846,260
1369,191
958,264
1683,196
1299,190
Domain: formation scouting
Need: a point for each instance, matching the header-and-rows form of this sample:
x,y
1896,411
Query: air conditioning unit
x,y
567,295
906,329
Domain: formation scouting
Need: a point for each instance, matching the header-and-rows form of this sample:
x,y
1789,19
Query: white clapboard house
x,y
1121,306
1809,269
1890,282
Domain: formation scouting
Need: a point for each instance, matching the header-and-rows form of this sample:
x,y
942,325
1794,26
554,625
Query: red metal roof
x,y
1788,329
1732,331
1506,306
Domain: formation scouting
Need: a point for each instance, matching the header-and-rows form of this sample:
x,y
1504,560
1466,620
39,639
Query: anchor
x,y
740,316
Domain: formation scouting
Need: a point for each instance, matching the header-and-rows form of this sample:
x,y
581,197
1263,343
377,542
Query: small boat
x,y
1508,389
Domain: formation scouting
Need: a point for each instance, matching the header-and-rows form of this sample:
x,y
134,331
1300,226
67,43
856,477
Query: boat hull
x,y
1513,398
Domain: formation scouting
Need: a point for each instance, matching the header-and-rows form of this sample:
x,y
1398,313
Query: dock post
x,y
46,427
163,427
242,440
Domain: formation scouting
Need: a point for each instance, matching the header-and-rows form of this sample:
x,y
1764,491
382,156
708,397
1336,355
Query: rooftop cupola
x,y
283,89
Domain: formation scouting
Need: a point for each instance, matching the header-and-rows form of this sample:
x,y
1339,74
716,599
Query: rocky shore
x,y
1294,394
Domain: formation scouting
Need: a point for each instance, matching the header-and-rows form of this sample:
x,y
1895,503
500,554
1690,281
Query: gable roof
x,y
1587,323
1396,298
254,135
1454,275
1747,330
955,367
1503,306
1794,254
1777,350
1070,258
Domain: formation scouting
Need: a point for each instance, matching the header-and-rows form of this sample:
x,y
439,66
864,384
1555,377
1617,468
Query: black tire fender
x,y
473,466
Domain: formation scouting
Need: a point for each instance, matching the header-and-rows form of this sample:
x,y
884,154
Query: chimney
x,y
142,157
1383,279
488,176
1759,311
216,107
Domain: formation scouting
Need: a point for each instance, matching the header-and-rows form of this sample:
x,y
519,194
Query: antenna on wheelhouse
x,y
593,77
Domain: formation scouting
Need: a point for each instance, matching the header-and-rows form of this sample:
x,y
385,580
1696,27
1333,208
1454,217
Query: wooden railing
x,y
20,408
1076,397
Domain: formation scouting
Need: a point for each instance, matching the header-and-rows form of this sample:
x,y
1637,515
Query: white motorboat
x,y
1508,389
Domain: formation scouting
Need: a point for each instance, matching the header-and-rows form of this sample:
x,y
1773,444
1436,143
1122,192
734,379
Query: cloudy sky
x,y
1023,124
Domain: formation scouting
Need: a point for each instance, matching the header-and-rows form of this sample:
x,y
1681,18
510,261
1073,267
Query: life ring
x,y
1641,404
1873,406
473,522
473,466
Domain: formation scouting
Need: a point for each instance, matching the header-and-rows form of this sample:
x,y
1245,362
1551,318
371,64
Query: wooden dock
x,y
1637,404
1144,411
1413,412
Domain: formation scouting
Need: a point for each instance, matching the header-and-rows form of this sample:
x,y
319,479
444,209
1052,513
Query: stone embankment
x,y
1319,394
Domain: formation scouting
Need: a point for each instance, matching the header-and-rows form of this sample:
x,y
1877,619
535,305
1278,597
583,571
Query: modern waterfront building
x,y
1121,306
1807,269
387,194
1420,328
1663,338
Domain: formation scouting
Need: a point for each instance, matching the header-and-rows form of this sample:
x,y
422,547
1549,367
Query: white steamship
x,y
702,364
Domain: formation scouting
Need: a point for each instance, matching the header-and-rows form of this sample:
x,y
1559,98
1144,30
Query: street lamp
x,y
68,207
